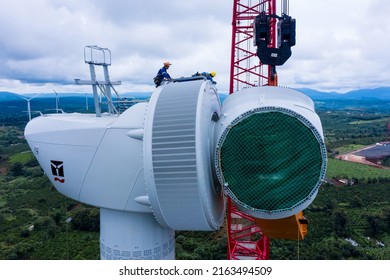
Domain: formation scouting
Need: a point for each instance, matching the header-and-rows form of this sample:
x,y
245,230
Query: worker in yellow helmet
x,y
209,76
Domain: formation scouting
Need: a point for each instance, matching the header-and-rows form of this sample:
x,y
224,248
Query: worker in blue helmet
x,y
162,74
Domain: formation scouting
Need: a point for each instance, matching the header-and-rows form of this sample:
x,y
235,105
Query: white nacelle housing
x,y
93,160
154,157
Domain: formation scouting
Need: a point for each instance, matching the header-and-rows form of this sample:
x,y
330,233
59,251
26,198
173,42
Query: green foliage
x,y
353,127
22,157
87,219
33,213
375,225
17,169
20,251
386,161
200,246
360,212
348,148
340,223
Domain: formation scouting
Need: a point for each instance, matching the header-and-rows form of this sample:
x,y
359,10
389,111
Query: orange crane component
x,y
292,228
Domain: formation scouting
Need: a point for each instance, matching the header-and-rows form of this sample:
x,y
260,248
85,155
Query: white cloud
x,y
341,45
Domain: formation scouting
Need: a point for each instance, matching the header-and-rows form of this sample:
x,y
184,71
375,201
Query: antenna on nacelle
x,y
94,55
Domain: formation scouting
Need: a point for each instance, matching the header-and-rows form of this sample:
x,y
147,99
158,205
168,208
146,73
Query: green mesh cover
x,y
271,161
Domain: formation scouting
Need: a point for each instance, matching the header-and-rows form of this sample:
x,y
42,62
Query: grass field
x,y
346,169
349,148
384,120
22,157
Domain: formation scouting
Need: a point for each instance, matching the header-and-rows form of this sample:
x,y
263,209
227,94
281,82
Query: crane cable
x,y
298,243
285,6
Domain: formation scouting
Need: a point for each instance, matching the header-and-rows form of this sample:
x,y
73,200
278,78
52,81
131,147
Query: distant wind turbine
x,y
86,102
57,101
28,104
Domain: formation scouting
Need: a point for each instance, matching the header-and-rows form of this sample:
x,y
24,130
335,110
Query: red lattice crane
x,y
246,240
245,68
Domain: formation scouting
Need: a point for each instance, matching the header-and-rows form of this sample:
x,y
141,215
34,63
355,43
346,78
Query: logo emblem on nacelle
x,y
57,169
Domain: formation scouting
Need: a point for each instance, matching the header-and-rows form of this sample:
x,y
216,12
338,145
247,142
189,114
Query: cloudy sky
x,y
341,45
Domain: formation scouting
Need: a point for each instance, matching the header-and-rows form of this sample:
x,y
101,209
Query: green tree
x,y
357,202
86,219
21,251
17,169
386,218
375,225
386,161
340,223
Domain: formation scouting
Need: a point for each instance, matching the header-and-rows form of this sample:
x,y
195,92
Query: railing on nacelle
x,y
97,56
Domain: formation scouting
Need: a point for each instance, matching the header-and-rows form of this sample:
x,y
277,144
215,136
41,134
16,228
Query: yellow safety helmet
x,y
213,74
167,64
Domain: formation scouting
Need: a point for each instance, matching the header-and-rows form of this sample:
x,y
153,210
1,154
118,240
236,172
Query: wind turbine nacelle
x,y
270,153
177,155
155,157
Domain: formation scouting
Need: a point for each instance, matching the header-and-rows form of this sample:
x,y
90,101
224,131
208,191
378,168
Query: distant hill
x,y
127,94
9,96
140,95
381,93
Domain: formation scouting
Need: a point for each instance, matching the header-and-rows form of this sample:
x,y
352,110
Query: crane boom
x,y
245,238
261,40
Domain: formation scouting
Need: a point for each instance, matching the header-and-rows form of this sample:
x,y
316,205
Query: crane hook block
x,y
286,38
